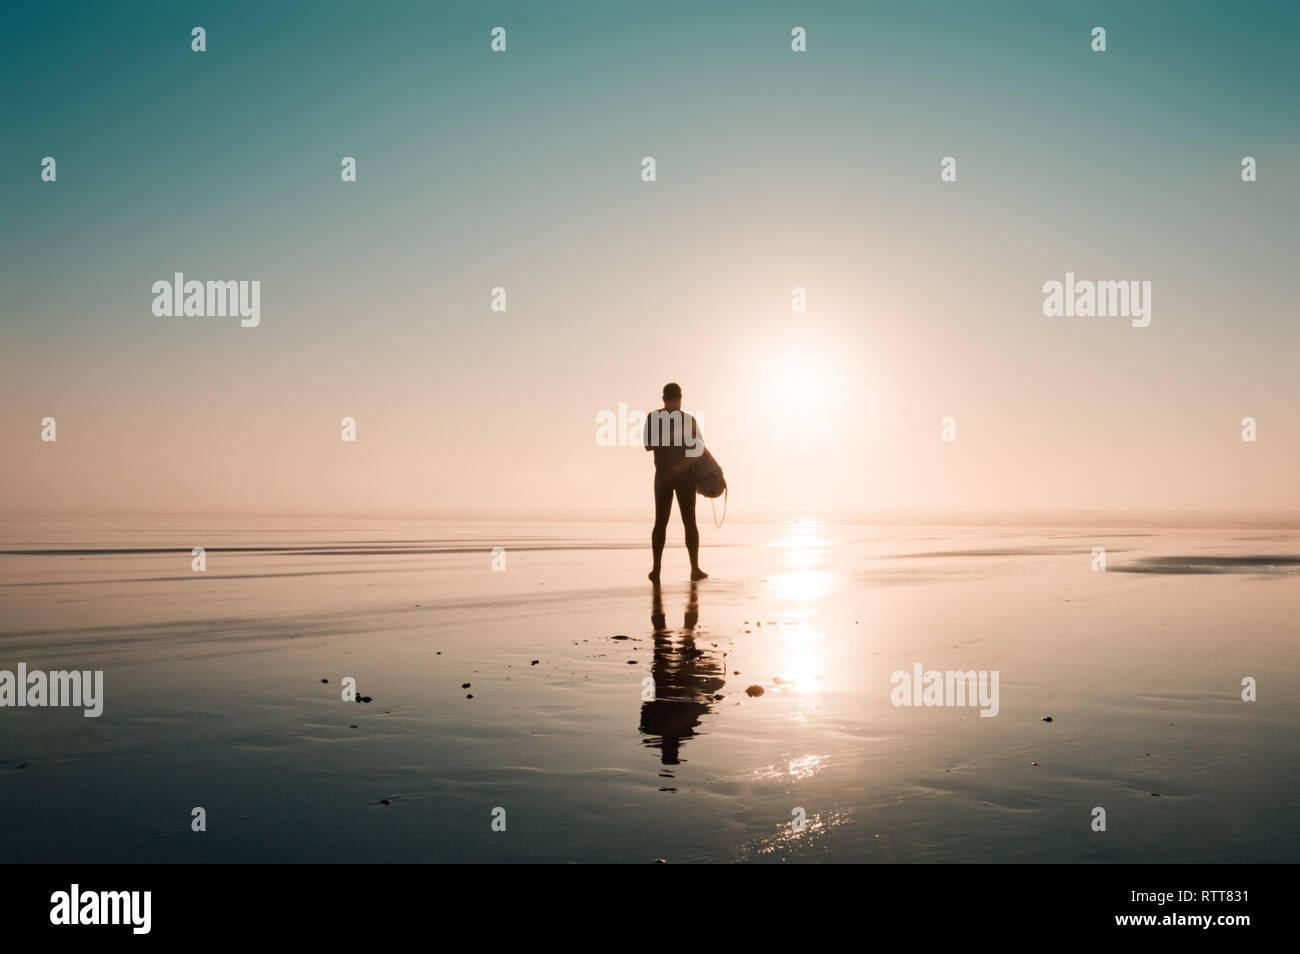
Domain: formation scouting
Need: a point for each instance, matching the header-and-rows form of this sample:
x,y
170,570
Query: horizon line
x,y
1207,518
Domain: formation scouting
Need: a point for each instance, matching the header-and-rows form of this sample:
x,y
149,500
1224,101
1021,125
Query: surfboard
x,y
709,481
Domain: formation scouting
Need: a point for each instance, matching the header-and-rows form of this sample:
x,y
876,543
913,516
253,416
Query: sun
x,y
798,384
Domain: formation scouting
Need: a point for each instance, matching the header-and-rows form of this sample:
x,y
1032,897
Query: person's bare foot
x,y
654,576
698,574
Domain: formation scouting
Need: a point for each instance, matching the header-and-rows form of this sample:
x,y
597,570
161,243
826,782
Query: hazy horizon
x,y
1044,519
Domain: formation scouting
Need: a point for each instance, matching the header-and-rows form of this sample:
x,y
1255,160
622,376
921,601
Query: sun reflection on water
x,y
807,580
807,577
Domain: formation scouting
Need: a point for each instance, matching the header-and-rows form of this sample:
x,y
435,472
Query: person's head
x,y
672,396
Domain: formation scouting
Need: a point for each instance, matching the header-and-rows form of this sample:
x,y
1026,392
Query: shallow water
x,y
214,695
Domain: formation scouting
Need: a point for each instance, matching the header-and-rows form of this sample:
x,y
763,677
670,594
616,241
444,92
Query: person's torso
x,y
668,433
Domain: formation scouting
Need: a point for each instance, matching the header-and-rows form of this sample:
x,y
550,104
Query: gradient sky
x,y
775,169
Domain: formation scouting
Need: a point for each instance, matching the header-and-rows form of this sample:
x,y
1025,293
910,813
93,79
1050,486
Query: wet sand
x,y
214,693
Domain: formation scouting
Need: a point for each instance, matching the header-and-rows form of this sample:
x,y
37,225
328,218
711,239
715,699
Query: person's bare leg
x,y
658,536
686,504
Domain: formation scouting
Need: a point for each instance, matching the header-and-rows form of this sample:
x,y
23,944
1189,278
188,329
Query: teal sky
x,y
775,169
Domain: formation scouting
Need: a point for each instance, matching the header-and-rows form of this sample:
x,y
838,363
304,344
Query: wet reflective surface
x,y
746,717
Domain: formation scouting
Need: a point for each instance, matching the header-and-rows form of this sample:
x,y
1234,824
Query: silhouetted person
x,y
686,680
676,441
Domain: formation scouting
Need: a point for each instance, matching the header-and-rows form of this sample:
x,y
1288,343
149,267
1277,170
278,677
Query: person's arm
x,y
697,439
646,441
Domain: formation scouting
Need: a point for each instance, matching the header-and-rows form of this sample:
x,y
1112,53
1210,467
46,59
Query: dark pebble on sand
x,y
536,661
324,680
464,685
620,636
631,662
352,727
469,695
365,698
1047,718
754,691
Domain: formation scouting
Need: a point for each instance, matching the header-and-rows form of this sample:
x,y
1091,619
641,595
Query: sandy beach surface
x,y
613,725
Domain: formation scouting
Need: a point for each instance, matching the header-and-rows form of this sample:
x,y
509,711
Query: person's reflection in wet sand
x,y
686,680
